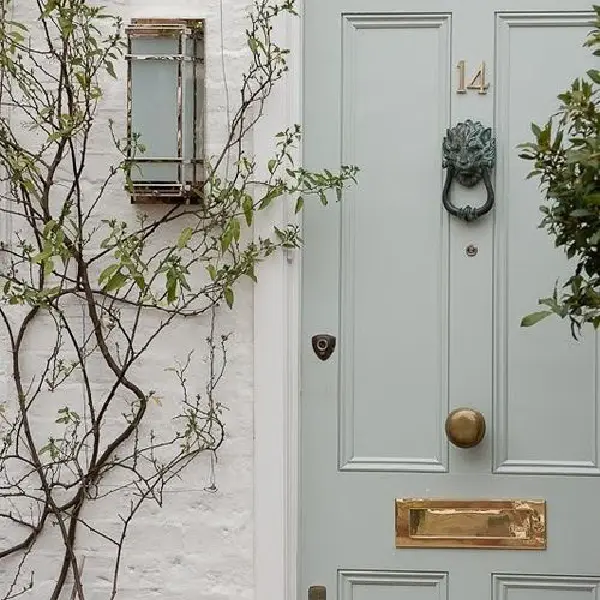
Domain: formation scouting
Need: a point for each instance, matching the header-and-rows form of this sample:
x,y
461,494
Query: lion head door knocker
x,y
469,154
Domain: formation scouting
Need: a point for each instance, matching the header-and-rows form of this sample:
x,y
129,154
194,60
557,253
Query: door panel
x,y
536,431
423,328
507,587
357,585
379,344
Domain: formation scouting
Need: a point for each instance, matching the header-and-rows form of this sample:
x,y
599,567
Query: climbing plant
x,y
566,156
87,298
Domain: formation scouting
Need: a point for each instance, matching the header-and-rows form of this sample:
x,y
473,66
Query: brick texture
x,y
198,546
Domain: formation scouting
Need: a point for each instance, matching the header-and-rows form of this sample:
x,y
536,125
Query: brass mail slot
x,y
493,524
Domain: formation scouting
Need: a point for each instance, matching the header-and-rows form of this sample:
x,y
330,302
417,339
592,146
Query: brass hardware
x,y
323,345
462,87
317,592
465,427
491,524
477,83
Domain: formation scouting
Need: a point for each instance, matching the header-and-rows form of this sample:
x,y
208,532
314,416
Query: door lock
x,y
323,345
317,592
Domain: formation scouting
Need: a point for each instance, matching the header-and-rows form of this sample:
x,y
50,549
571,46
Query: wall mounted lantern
x,y
165,110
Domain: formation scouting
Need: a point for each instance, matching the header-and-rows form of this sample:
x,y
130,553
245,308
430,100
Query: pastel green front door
x,y
426,308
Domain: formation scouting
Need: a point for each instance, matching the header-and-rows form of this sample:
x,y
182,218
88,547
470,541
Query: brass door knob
x,y
465,427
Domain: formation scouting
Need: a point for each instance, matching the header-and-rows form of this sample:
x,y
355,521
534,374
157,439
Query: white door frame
x,y
276,358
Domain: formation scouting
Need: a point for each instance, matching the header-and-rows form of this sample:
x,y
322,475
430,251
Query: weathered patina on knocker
x,y
469,155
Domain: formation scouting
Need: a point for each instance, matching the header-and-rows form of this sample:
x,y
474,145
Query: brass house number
x,y
478,82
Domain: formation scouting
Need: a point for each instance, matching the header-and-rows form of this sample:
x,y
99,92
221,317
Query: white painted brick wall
x,y
199,546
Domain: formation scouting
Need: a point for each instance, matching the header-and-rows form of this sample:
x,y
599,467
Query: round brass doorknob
x,y
465,427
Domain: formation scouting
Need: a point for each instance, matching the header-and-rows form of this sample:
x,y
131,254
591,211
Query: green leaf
x,y
48,266
50,6
226,239
184,237
110,69
271,165
551,302
535,317
299,205
594,75
52,291
116,282
228,294
273,193
253,44
545,134
171,289
17,25
44,449
248,207
236,230
212,272
140,281
48,227
529,145
533,174
107,273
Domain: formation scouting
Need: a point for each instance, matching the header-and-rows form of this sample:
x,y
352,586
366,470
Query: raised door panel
x,y
391,585
545,587
546,394
394,237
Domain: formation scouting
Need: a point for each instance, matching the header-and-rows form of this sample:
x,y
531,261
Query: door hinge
x,y
317,592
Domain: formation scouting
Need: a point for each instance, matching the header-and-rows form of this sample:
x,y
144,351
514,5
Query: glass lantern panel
x,y
155,46
189,173
154,109
155,173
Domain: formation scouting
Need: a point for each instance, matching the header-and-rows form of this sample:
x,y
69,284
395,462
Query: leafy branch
x,y
97,295
566,158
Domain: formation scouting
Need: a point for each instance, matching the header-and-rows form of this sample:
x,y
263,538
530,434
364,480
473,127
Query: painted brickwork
x,y
200,545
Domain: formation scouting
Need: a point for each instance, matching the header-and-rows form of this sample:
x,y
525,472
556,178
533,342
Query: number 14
x,y
477,83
